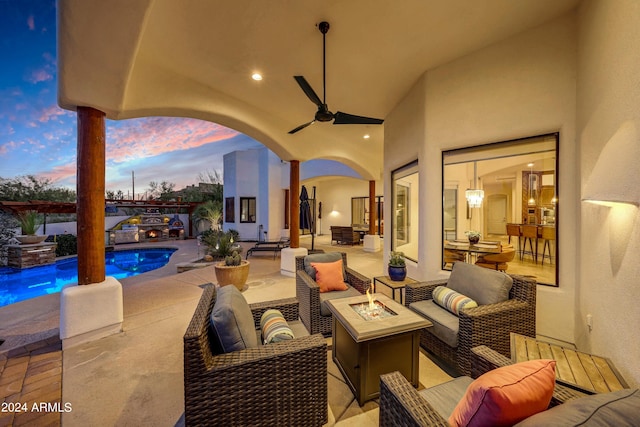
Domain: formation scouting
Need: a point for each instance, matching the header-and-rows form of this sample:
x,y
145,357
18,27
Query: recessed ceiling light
x,y
367,136
530,165
256,76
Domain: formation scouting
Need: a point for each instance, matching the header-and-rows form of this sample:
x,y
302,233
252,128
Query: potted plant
x,y
397,267
29,223
474,236
232,271
220,244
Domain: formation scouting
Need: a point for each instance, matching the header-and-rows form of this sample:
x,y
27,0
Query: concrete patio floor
x,y
135,377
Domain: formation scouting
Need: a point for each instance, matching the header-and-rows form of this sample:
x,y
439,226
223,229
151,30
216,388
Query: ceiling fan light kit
x,y
323,114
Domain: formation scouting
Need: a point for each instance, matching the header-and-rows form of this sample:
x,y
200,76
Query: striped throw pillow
x,y
452,300
274,327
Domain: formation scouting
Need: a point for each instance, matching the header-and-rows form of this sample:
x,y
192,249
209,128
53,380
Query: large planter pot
x,y
30,239
232,274
397,274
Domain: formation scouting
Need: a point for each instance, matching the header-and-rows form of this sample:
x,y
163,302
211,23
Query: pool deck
x,y
136,377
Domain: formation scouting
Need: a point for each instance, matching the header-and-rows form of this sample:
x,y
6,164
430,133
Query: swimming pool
x,y
22,284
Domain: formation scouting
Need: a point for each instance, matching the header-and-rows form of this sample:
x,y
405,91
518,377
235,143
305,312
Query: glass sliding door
x,y
405,210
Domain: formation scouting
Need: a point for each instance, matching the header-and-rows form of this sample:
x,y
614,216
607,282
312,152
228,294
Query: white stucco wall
x,y
241,178
520,87
335,195
257,173
608,101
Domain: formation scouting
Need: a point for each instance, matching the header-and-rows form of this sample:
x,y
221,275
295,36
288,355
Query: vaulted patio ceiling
x,y
195,59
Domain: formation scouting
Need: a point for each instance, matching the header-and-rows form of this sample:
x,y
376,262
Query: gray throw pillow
x,y
325,257
482,285
232,320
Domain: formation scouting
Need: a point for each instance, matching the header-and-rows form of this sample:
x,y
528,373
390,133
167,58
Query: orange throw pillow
x,y
507,395
329,276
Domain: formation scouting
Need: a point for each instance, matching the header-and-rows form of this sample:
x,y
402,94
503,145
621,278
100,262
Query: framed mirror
x,y
516,217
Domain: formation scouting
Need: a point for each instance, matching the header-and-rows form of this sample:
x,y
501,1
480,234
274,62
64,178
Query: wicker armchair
x,y
402,405
488,324
276,384
349,237
308,294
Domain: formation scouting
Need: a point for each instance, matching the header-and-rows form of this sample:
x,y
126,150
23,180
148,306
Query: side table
x,y
392,284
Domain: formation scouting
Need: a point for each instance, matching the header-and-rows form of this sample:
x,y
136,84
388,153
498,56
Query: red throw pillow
x,y
329,276
507,395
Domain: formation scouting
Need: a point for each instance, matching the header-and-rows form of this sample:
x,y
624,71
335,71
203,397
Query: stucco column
x,y
90,188
372,207
288,255
372,240
94,310
294,203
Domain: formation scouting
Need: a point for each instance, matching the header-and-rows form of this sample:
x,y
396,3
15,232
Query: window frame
x,y
246,203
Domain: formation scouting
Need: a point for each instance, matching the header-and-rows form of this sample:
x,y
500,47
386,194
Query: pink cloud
x,y
158,135
50,113
9,146
30,23
41,75
60,173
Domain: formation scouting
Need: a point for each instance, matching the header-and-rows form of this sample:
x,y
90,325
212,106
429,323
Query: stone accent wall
x,y
25,256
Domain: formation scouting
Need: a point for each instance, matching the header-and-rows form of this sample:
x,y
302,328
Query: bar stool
x,y
515,231
549,235
530,232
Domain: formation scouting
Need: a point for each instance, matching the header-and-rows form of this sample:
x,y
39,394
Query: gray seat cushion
x,y
446,325
324,257
619,408
326,296
232,321
444,397
482,285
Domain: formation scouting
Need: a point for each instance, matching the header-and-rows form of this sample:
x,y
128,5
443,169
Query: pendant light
x,y
474,196
532,200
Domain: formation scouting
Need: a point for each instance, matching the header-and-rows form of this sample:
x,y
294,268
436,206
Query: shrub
x,y
220,244
67,245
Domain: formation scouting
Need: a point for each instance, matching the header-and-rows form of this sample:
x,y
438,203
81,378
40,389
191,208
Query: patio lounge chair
x,y
453,336
274,247
402,405
315,317
283,383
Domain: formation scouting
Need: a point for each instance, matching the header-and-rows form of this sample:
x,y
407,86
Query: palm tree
x,y
209,211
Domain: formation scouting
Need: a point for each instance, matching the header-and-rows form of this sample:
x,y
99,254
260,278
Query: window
x,y
520,188
360,213
230,209
405,210
247,209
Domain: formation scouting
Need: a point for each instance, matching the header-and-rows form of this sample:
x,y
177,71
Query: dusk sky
x,y
38,137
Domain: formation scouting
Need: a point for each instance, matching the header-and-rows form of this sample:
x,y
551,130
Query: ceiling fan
x,y
323,114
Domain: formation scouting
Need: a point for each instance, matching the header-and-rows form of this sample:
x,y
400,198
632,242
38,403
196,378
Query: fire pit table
x,y
370,340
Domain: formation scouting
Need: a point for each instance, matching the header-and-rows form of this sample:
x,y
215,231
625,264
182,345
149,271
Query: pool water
x,y
22,284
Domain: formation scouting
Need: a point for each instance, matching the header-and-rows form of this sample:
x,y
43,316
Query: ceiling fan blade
x,y
350,119
292,131
308,90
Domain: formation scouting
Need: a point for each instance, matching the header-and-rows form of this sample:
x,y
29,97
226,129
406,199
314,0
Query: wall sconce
x,y
474,196
614,178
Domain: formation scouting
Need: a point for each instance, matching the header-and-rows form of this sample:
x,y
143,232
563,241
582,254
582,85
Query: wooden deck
x,y
586,372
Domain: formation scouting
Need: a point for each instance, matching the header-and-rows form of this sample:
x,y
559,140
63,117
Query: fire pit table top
x,y
402,319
